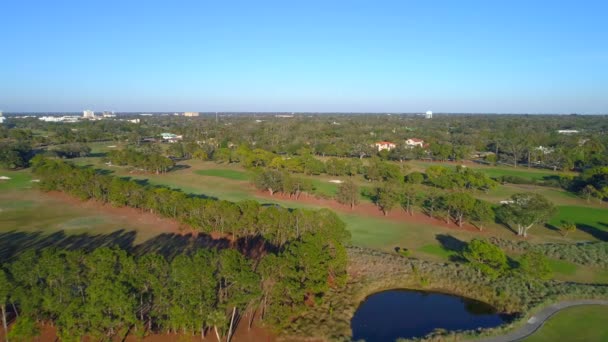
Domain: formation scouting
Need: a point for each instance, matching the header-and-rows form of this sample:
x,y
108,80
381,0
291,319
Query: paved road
x,y
537,321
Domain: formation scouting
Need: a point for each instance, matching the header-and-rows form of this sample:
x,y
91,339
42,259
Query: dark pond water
x,y
386,316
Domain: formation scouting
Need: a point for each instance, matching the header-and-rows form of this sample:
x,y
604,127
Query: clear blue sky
x,y
397,56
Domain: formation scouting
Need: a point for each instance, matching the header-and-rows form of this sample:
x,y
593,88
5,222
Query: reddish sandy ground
x,y
242,334
368,209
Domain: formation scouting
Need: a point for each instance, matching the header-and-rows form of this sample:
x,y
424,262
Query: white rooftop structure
x,y
428,114
567,131
88,114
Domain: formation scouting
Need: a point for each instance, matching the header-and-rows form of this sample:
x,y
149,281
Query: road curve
x,y
537,321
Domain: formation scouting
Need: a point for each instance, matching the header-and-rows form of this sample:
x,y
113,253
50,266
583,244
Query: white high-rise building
x,y
88,114
1,117
428,114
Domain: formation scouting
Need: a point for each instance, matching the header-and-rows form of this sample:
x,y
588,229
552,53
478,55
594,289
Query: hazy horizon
x,y
349,57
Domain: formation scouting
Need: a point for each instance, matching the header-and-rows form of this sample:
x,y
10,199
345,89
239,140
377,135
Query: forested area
x,y
107,293
298,279
337,145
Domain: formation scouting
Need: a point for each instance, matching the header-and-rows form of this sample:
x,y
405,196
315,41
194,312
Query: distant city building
x,y
108,114
284,116
190,113
384,145
567,131
1,117
414,142
428,115
88,114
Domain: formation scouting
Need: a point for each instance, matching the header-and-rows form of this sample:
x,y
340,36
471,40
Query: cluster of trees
x,y
72,150
107,293
592,183
241,219
276,181
458,206
189,150
14,154
492,261
149,161
460,177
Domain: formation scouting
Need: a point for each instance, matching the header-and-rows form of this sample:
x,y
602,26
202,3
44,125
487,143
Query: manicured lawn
x,y
586,218
437,250
224,173
324,187
34,215
529,174
560,267
18,180
579,323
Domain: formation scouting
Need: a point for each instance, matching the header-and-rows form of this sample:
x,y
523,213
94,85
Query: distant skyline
x,y
310,56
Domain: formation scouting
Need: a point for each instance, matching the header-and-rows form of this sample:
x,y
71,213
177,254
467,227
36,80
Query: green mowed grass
x,y
324,187
584,217
224,173
579,323
437,251
560,267
36,215
529,174
18,180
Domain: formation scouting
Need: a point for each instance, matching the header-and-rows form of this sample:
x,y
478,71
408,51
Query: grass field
x,y
200,178
18,180
438,251
324,187
230,182
224,173
584,217
560,267
36,214
579,323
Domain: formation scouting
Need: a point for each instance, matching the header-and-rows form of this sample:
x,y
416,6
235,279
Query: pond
x,y
388,315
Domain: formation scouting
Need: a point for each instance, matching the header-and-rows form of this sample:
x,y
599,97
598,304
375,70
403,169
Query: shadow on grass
x,y
452,244
169,245
180,167
97,155
599,234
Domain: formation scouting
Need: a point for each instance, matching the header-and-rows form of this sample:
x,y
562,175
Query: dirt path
x,y
536,322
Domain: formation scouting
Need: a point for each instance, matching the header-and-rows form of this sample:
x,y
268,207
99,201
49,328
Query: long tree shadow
x,y
597,233
451,244
168,244
14,242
